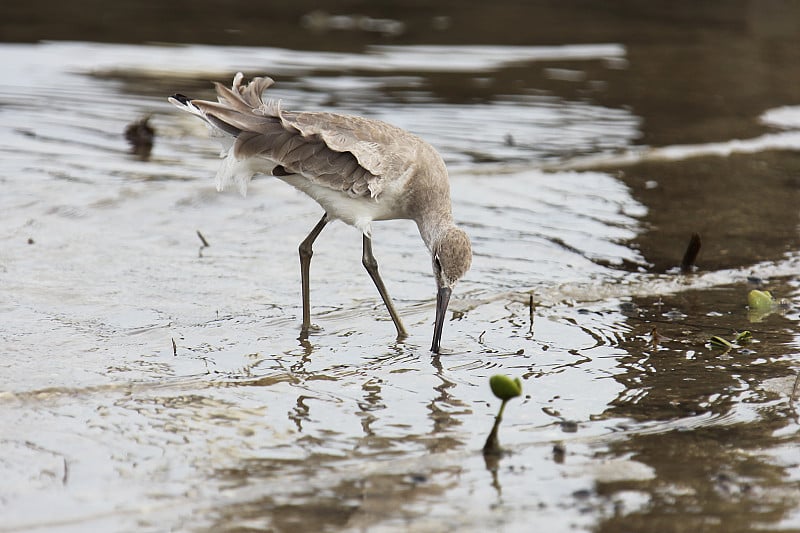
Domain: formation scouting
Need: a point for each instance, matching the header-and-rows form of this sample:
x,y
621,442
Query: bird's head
x,y
451,256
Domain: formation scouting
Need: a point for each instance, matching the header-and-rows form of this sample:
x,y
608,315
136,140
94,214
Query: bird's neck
x,y
433,227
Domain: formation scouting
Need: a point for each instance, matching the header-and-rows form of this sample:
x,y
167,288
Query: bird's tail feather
x,y
238,109
261,136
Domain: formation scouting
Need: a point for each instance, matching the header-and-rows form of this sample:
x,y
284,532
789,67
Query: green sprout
x,y
504,388
718,342
761,304
744,337
760,300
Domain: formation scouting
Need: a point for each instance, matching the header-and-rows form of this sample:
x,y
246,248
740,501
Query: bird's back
x,y
358,156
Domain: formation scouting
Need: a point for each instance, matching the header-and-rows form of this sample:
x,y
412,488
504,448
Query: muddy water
x,y
150,383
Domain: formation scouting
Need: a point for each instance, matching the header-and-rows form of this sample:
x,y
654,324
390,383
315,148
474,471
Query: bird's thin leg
x,y
372,267
306,252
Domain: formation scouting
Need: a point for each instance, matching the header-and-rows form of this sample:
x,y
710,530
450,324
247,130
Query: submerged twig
x,y
204,245
793,396
559,452
690,256
530,313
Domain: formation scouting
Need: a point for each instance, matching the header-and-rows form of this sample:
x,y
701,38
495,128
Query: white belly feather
x,y
359,211
355,211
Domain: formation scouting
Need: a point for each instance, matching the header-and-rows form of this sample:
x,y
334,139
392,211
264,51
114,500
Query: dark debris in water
x,y
141,136
203,245
690,256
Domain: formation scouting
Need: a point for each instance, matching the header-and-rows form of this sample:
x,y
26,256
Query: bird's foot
x,y
310,329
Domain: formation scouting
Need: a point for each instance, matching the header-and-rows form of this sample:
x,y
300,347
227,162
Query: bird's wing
x,y
385,151
347,153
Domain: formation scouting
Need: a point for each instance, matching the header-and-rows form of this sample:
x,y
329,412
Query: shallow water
x,y
152,384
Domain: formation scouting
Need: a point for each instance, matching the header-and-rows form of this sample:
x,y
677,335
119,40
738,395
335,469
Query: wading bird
x,y
357,169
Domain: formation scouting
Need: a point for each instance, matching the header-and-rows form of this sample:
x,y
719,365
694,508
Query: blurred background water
x,y
151,384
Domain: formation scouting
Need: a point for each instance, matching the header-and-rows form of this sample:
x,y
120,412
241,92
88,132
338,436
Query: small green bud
x,y
760,300
504,387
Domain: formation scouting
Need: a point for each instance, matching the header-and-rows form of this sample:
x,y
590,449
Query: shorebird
x,y
357,169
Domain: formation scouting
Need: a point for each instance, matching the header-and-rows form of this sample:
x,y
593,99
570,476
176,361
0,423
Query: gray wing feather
x,y
346,153
381,148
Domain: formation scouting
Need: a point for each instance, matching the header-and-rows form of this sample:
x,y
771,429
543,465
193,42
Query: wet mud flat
x,y
152,378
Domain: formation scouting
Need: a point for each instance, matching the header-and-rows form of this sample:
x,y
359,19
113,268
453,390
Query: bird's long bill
x,y
442,300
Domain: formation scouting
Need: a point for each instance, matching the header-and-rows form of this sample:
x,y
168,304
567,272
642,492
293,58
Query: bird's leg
x,y
306,252
372,267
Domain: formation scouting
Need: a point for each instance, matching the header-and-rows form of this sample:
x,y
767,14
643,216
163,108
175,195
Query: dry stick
x,y
690,256
174,349
205,244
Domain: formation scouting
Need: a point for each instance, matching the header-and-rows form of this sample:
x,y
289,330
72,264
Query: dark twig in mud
x,y
174,349
690,256
65,477
205,244
530,313
654,338
559,452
